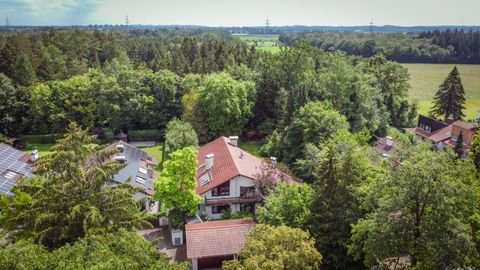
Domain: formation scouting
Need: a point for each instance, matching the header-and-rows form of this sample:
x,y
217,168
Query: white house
x,y
226,178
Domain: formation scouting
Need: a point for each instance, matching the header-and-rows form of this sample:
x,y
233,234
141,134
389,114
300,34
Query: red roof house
x,y
443,134
212,242
226,177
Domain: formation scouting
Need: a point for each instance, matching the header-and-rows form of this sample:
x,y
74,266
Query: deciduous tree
x,y
269,247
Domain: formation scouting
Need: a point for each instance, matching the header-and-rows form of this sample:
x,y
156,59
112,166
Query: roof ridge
x,y
231,154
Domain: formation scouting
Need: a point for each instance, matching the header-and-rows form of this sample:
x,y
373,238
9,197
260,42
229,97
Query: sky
x,y
241,12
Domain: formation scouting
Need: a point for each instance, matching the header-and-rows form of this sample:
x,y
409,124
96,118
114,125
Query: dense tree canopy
x,y
226,103
269,247
119,250
449,46
314,123
289,205
416,211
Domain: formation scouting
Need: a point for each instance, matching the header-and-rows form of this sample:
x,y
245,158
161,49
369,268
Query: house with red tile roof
x,y
442,134
212,242
226,178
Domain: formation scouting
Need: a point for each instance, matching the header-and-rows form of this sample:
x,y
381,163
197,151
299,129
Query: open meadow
x,y
426,78
265,42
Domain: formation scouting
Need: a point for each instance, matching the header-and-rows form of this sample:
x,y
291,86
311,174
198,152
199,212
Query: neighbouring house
x,y
138,171
442,134
385,146
14,165
226,178
212,242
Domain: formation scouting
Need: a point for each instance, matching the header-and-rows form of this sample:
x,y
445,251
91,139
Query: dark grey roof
x,y
432,123
10,163
131,171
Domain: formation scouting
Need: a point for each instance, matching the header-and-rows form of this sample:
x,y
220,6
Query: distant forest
x,y
59,54
449,46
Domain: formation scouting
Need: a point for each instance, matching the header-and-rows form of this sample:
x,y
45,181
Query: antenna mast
x,y
126,20
7,22
371,26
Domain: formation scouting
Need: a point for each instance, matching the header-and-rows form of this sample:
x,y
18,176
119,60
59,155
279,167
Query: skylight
x,y
204,179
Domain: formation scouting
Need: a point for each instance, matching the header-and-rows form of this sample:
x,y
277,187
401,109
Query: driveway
x,y
162,237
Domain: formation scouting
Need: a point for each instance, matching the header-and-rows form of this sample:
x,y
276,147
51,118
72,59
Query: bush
x,y
42,139
145,135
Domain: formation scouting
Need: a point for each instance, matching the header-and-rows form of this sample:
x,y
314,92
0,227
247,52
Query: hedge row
x,y
108,136
42,139
145,135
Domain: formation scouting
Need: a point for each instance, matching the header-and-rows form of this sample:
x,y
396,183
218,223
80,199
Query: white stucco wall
x,y
235,184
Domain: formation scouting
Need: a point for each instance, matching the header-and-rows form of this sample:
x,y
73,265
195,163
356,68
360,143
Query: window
x,y
247,207
178,241
218,209
222,190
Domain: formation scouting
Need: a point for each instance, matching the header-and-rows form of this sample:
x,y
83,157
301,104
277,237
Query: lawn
x,y
251,147
267,43
426,78
43,149
155,151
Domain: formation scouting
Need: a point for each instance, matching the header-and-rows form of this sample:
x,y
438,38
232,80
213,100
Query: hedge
x,y
42,139
145,135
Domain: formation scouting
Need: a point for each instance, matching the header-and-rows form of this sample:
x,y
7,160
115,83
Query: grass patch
x,y
43,149
251,147
155,151
426,78
268,43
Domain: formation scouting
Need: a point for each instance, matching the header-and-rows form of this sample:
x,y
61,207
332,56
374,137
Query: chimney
x,y
273,160
389,141
209,161
34,155
233,140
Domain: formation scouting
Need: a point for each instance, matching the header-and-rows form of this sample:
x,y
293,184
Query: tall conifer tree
x,y
449,101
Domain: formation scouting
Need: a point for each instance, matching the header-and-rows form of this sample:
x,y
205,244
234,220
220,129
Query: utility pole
x,y
267,25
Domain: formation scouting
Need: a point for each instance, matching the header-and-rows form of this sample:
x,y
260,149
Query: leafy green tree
x,y
474,152
23,71
226,103
425,207
269,247
179,134
449,101
342,166
175,185
53,65
313,123
289,205
71,197
393,81
119,250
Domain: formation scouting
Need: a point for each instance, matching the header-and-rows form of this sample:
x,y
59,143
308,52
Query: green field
x,y
426,78
262,42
